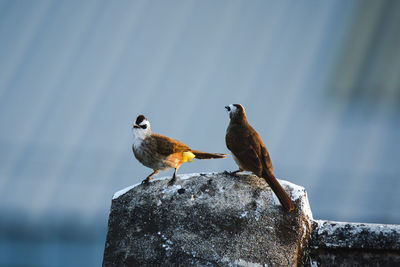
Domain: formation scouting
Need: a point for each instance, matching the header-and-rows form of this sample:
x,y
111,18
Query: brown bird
x,y
250,153
160,152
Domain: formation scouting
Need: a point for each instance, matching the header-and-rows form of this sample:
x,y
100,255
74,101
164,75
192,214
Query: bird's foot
x,y
172,181
147,181
234,173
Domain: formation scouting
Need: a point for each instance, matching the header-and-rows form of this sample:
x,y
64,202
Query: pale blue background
x,y
319,80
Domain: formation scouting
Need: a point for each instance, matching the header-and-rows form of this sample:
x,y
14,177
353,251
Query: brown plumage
x,y
160,152
250,153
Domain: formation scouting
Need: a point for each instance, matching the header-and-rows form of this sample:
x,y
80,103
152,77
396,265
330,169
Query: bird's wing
x,y
261,150
266,160
250,159
167,146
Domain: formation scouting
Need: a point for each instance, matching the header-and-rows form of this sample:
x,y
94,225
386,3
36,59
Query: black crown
x,y
139,119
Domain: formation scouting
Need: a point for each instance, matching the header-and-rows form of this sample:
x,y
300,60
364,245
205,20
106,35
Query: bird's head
x,y
141,128
235,111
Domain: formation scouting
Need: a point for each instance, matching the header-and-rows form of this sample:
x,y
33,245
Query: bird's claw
x,y
146,181
233,173
171,182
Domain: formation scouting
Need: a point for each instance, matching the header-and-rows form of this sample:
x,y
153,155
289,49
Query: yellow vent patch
x,y
188,156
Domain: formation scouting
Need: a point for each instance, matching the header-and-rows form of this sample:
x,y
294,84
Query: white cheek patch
x,y
141,133
145,122
233,110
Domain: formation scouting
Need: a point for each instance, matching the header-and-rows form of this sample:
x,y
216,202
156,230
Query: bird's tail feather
x,y
205,155
283,197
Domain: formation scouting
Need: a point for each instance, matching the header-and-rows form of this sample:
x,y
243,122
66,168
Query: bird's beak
x,y
135,125
227,108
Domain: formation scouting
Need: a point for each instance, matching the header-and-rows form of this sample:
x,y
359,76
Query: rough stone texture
x,y
206,220
353,244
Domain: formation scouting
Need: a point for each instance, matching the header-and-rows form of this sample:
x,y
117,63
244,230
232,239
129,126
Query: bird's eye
x,y
143,126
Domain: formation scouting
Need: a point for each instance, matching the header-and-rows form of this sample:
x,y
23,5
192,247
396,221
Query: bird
x,y
250,153
159,152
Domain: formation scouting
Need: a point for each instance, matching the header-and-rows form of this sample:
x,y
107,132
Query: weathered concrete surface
x,y
353,244
206,220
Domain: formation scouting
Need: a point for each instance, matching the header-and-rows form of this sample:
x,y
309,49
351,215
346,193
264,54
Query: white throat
x,y
140,134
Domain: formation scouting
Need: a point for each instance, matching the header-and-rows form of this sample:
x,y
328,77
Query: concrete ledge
x,y
212,219
353,244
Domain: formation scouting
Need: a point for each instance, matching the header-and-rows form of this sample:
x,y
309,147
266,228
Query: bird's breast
x,y
137,143
239,163
147,154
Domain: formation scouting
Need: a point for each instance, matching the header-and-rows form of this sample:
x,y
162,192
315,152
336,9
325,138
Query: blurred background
x,y
320,81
